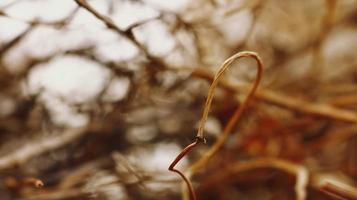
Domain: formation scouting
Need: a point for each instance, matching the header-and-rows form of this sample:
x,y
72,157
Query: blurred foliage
x,y
98,97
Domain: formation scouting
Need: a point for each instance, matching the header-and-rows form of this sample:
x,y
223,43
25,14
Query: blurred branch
x,y
57,23
15,184
38,147
334,187
128,34
326,26
15,41
59,194
301,173
319,109
338,191
111,25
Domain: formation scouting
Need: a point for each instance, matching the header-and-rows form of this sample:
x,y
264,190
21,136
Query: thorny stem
x,y
200,134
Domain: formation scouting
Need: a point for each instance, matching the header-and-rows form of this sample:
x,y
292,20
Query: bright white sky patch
x,y
63,114
66,80
124,14
49,10
13,29
45,41
236,27
73,78
116,50
83,18
6,2
170,5
157,37
157,158
117,89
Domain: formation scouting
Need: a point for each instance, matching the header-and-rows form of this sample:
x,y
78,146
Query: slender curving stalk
x,y
183,153
233,120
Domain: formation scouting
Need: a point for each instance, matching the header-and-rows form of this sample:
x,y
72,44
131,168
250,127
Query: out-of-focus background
x,y
97,97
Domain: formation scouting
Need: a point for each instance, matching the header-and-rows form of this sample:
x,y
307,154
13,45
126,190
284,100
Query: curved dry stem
x,y
233,120
238,113
214,84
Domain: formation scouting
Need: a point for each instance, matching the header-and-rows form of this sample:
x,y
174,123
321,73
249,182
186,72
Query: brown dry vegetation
x,y
294,137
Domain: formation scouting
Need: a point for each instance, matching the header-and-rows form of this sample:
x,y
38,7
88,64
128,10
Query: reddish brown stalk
x,y
183,153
